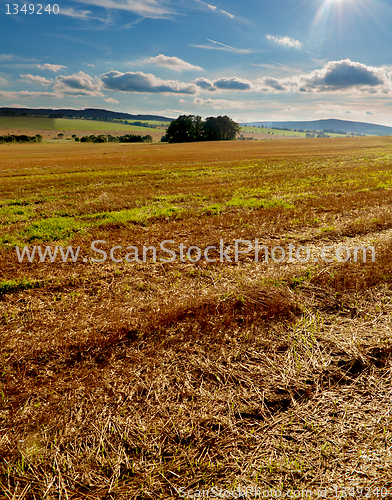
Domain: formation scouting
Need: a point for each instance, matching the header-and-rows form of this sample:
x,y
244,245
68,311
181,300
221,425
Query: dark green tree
x,y
186,128
221,128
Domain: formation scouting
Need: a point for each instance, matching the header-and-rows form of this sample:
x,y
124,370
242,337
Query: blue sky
x,y
252,60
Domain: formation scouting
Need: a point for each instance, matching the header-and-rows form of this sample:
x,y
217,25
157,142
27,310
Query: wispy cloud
x,y
274,65
215,8
51,67
227,13
86,15
146,8
174,63
223,103
285,41
212,7
79,14
26,93
223,46
6,57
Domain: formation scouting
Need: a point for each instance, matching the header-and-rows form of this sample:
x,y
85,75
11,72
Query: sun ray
x,y
332,17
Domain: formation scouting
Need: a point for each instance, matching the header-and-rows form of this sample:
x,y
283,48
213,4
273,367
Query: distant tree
x,y
186,128
39,137
221,128
191,128
60,136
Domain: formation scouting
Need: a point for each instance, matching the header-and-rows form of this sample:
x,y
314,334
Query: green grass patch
x,y
53,229
142,215
11,286
214,209
255,203
10,214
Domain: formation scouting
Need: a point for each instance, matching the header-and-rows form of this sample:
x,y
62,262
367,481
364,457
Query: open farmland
x,y
130,380
253,132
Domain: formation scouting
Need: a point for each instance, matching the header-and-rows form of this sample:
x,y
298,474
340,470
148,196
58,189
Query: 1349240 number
x,y
14,8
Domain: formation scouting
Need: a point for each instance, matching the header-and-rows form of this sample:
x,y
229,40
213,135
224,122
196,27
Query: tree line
x,y
110,138
191,128
20,138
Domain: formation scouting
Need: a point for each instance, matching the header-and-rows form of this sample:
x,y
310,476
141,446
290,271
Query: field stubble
x,y
133,380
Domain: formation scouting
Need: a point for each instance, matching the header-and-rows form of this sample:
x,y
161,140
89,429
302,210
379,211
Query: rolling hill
x,y
344,125
91,113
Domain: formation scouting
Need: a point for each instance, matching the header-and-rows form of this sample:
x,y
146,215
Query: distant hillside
x,y
100,114
337,125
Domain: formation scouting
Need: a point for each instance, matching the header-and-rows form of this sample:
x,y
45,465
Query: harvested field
x,y
131,380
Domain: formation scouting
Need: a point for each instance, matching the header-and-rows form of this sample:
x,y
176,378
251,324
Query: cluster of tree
x,y
332,131
20,138
191,128
111,138
140,124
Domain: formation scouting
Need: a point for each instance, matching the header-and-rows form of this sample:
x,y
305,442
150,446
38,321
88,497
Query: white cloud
x,y
145,83
51,67
3,81
38,79
78,84
336,76
111,100
174,63
370,112
230,83
344,75
285,41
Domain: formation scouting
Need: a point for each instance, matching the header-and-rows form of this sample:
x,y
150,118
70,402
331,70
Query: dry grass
x,y
131,381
